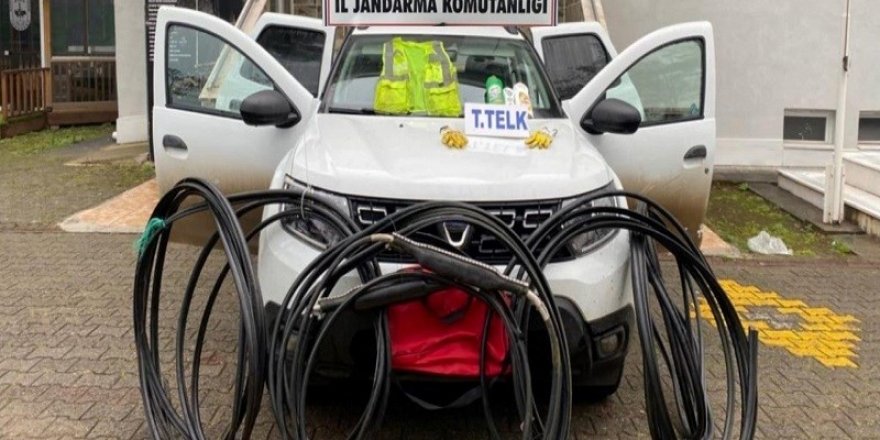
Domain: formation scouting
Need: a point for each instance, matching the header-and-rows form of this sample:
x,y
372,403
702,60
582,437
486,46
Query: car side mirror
x,y
268,107
612,116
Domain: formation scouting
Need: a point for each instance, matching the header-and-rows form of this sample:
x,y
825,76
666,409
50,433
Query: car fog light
x,y
610,343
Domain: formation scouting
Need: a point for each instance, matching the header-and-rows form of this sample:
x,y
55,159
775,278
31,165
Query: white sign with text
x,y
434,12
496,120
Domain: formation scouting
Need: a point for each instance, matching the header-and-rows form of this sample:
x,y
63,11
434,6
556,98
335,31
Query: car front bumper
x,y
593,293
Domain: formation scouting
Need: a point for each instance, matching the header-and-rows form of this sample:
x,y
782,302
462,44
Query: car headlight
x,y
585,242
309,226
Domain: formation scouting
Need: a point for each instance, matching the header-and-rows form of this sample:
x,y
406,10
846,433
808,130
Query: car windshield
x,y
353,88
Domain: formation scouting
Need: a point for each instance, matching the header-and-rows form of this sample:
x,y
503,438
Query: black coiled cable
x,y
683,353
291,368
163,418
264,349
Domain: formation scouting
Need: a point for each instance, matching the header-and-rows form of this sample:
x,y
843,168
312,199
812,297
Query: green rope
x,y
154,226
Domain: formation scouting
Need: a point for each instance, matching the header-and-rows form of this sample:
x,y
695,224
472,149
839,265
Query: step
x,y
862,207
808,185
862,170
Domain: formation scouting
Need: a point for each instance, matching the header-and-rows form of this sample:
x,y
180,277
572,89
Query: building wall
x,y
864,80
771,56
131,68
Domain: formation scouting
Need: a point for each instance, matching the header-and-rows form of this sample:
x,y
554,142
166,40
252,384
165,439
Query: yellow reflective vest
x,y
417,78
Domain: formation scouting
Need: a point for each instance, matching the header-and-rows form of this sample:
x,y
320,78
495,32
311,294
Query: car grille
x,y
522,217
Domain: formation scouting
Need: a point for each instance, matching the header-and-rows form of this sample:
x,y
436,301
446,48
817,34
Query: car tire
x,y
595,394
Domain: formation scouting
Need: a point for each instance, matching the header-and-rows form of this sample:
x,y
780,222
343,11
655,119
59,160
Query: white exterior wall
x,y
771,56
864,78
131,71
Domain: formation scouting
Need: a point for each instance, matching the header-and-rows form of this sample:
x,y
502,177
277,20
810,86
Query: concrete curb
x,y
126,213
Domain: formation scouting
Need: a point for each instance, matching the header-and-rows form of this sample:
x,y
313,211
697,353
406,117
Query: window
x,y
808,126
20,44
869,127
204,73
83,27
354,84
666,85
300,51
572,61
99,27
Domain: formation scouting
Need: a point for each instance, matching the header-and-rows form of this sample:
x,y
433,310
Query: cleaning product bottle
x,y
509,98
521,95
494,90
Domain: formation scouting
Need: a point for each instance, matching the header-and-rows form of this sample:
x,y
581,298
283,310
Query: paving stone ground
x,y
68,370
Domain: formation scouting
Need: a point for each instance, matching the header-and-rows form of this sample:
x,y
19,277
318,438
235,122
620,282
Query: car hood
x,y
403,158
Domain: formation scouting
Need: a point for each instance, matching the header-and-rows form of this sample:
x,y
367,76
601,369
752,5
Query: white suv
x,y
278,109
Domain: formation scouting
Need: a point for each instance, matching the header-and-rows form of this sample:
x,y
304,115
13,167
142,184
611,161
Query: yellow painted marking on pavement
x,y
817,332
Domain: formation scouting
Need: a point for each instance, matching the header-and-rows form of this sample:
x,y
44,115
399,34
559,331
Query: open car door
x,y
573,53
651,113
206,72
303,45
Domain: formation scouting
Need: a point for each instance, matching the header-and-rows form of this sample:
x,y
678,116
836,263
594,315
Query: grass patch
x,y
737,214
41,141
841,247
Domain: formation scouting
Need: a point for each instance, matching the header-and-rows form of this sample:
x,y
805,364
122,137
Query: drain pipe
x,y
833,209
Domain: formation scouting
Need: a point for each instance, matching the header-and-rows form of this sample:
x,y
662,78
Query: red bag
x,y
441,334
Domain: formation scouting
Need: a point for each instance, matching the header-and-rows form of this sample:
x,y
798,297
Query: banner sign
x,y
434,12
152,10
496,120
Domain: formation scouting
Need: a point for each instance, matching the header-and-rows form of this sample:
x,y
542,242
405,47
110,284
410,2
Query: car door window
x,y
205,74
300,51
571,61
666,85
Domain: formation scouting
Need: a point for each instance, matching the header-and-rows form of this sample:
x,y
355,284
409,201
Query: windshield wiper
x,y
351,111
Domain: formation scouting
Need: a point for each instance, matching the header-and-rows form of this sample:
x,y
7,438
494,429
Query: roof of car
x,y
476,31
